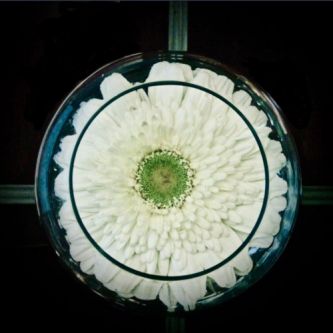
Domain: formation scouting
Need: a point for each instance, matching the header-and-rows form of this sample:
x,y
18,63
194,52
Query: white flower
x,y
188,228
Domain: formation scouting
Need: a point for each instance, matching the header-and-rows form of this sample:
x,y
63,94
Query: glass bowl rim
x,y
272,254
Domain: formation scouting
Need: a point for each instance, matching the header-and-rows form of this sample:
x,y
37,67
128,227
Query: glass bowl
x,y
136,69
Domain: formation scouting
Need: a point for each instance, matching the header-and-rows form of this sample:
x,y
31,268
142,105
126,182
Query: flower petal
x,y
167,96
196,99
105,270
124,282
147,289
84,113
112,86
167,297
224,276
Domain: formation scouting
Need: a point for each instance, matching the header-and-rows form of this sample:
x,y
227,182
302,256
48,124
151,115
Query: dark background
x,y
47,48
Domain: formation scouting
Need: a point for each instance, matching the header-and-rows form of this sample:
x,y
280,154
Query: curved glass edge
x,y
270,255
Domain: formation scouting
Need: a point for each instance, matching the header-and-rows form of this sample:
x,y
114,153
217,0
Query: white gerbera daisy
x,y
169,183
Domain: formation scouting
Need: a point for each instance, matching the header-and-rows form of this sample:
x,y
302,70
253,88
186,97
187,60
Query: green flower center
x,y
164,178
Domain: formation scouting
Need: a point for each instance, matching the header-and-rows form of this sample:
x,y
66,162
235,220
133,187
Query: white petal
x,y
242,263
152,264
166,96
87,265
178,261
124,282
152,239
196,99
263,241
147,289
66,214
188,292
163,266
241,98
279,203
224,276
104,270
180,295
278,186
166,251
81,251
63,157
166,296
84,113
114,85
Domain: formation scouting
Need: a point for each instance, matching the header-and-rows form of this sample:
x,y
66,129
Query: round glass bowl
x,y
187,259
